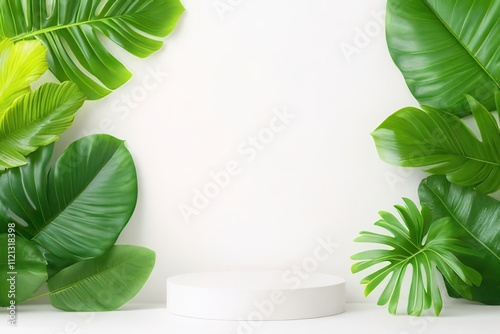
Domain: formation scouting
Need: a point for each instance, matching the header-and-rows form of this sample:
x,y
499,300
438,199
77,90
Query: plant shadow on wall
x,y
448,53
59,222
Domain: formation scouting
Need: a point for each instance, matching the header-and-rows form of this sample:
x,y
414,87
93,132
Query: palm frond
x,y
415,243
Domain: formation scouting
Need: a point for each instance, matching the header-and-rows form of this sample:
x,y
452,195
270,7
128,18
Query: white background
x,y
221,78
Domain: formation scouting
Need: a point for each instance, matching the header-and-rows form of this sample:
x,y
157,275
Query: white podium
x,y
255,296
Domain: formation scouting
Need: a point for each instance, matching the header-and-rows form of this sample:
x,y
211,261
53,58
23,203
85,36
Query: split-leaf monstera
x,y
443,144
71,31
446,49
448,53
422,244
67,215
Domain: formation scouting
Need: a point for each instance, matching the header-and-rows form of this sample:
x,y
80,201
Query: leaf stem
x,y
39,296
61,27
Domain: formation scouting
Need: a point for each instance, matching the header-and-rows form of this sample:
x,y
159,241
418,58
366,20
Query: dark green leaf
x,y
23,199
77,210
104,283
446,49
476,220
29,266
71,31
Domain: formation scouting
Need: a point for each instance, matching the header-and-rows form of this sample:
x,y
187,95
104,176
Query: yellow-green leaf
x,y
74,34
37,119
20,65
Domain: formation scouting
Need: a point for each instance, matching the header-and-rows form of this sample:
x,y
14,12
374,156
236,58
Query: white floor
x,y
359,318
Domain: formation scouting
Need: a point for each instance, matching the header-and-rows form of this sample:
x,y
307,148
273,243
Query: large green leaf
x,y
476,219
102,284
443,144
77,209
72,30
23,198
37,119
28,265
446,49
421,245
20,65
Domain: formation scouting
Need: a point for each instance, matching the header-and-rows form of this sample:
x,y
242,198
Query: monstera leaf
x,y
446,49
422,244
72,30
443,144
476,220
104,283
76,209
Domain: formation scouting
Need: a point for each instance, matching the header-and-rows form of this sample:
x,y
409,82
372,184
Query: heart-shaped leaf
x,y
78,208
104,283
446,49
476,220
22,269
443,144
72,30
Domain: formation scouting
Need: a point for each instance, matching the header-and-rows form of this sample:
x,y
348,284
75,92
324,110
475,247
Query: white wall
x,y
219,82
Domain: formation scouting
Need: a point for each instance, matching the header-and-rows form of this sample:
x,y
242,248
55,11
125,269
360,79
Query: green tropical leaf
x,y
476,220
102,284
446,49
421,245
23,198
20,65
443,144
29,266
37,119
77,209
72,30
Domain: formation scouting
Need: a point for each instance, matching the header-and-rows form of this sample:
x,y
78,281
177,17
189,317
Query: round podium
x,y
255,295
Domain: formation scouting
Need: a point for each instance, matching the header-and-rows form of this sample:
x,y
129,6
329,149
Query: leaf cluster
x,y
73,33
31,119
59,221
451,64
